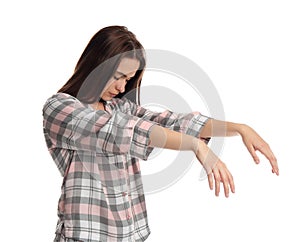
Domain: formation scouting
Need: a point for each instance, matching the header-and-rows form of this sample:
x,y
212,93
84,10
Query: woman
x,y
96,132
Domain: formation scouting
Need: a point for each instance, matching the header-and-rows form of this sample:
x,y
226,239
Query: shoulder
x,y
62,98
62,103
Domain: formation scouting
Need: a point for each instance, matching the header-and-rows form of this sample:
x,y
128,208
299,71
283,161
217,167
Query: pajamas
x,y
97,154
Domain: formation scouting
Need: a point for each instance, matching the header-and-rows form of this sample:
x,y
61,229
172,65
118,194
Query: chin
x,y
105,98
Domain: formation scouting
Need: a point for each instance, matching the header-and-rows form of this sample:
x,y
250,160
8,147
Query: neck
x,y
98,106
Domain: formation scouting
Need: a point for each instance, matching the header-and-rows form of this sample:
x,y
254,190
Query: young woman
x,y
96,132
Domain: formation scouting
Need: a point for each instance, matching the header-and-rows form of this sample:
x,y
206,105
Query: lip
x,y
112,94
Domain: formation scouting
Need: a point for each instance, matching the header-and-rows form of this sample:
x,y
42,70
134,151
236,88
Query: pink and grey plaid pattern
x,y
97,153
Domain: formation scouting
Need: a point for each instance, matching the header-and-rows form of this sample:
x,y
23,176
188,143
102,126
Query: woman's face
x,y
126,70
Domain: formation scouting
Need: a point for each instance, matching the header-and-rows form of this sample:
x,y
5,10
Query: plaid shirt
x,y
97,153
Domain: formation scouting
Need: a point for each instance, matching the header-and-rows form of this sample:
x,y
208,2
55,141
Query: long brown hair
x,y
99,62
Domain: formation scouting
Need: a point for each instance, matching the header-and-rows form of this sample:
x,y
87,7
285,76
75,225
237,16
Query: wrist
x,y
197,145
241,128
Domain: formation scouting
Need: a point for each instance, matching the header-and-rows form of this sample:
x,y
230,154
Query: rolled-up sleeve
x,y
70,125
141,139
188,123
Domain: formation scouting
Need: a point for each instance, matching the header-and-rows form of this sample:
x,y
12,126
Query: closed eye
x,y
118,78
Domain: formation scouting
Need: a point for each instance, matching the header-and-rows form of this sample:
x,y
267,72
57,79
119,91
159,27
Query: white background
x,y
249,49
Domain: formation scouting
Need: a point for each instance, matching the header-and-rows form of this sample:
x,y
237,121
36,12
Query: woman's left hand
x,y
254,143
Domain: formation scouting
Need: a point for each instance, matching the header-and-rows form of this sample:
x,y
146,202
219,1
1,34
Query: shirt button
x,y
124,194
128,216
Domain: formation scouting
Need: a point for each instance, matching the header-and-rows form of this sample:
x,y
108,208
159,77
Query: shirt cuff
x,y
196,124
139,146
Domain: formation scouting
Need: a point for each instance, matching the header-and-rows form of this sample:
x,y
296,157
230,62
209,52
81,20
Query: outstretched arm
x,y
251,139
164,138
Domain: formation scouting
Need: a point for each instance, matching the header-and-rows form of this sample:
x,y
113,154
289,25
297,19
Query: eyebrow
x,y
121,73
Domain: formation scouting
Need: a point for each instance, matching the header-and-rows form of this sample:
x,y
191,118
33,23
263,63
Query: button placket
x,y
129,215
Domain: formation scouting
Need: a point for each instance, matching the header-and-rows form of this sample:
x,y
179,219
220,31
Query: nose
x,y
121,85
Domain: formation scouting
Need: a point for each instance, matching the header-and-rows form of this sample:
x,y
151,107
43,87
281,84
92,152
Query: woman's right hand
x,y
216,170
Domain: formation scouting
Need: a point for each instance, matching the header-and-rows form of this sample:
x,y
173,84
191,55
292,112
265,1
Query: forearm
x,y
165,138
218,128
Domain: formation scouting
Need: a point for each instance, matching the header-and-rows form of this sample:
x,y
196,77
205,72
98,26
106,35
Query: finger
x,y
217,181
253,154
274,164
231,182
225,179
210,181
267,152
226,188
